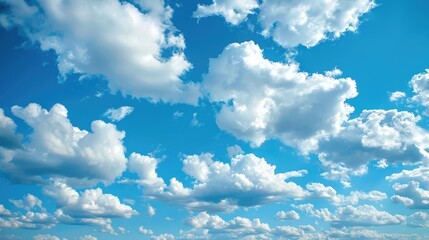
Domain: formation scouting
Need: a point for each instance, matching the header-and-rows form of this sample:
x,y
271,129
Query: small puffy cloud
x,y
46,237
234,151
306,22
214,227
246,181
57,148
420,85
151,211
263,100
291,215
4,211
135,47
164,236
387,135
362,233
28,220
371,196
88,237
9,139
365,215
419,174
28,202
418,219
117,114
145,231
319,190
396,96
234,11
411,195
91,203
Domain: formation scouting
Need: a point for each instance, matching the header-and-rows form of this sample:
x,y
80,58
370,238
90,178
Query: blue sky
x,y
214,119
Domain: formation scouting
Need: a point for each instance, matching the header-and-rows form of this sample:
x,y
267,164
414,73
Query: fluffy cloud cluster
x,y
296,22
364,215
234,11
419,174
388,135
420,85
261,99
34,217
239,228
411,195
28,202
319,190
126,44
57,148
90,207
91,203
207,226
246,181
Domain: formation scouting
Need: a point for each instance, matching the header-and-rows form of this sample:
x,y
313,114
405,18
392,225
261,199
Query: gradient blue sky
x,y
214,119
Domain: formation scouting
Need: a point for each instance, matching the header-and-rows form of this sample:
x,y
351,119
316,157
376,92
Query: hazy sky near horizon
x,y
214,119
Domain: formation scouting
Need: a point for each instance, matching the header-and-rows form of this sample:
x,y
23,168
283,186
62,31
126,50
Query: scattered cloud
x,y
234,11
418,219
145,231
420,86
117,114
137,38
411,195
388,135
291,215
57,148
396,96
151,211
91,203
292,23
246,181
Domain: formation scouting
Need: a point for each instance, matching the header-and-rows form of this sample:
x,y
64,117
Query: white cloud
x,y
28,202
387,135
234,11
291,215
418,219
57,148
117,114
91,203
122,230
88,237
234,151
263,99
145,231
305,22
114,39
4,211
8,137
411,195
164,236
371,196
239,228
364,215
151,211
419,174
396,96
45,237
420,85
319,190
247,181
